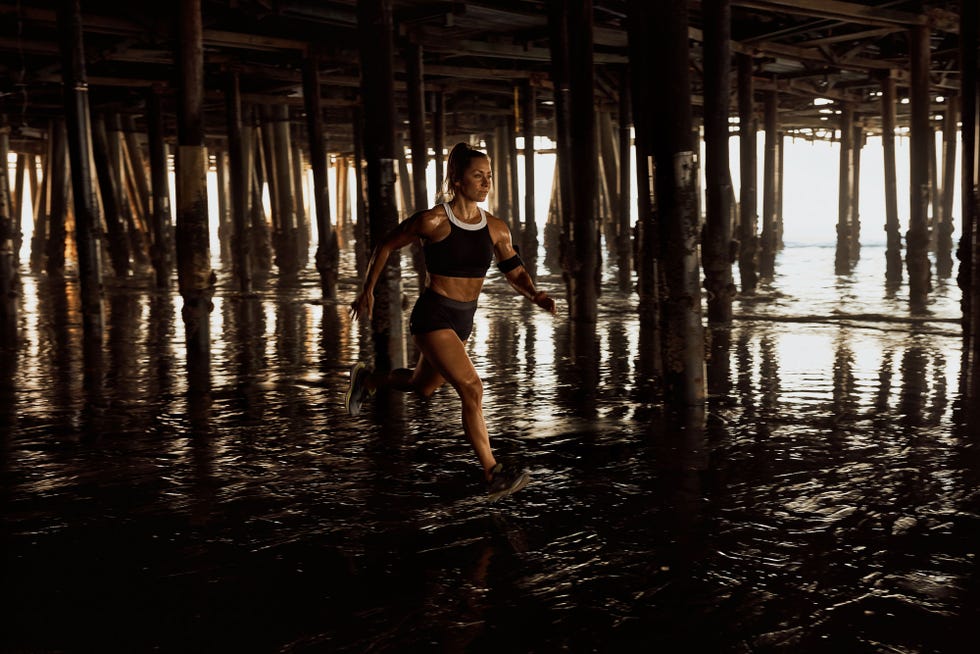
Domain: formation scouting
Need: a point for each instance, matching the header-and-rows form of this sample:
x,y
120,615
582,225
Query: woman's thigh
x,y
444,358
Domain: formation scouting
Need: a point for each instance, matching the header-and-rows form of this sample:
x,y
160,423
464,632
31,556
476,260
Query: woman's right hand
x,y
362,306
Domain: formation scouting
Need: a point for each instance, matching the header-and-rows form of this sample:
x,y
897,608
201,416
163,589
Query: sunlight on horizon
x,y
809,196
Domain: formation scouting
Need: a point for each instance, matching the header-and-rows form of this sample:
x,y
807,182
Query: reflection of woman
x,y
459,240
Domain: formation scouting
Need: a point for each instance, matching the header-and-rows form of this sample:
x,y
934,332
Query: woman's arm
x,y
521,281
405,233
517,276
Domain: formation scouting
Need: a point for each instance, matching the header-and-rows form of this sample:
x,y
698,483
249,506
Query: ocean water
x,y
825,499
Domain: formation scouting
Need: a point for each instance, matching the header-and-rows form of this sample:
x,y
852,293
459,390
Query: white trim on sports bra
x,y
459,223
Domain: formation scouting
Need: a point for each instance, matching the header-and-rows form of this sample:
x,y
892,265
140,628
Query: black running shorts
x,y
433,312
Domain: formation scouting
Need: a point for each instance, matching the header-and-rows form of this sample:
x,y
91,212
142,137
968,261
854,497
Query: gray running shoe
x,y
358,389
505,481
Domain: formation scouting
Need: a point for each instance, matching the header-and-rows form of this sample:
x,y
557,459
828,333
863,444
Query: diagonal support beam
x,y
856,13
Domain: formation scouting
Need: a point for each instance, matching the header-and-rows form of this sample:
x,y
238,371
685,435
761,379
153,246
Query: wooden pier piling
x,y
286,222
571,23
748,250
128,205
224,205
857,147
374,21
88,227
843,256
194,274
677,196
920,131
969,251
362,239
529,235
893,235
512,177
8,271
624,230
109,186
161,253
944,235
238,185
416,126
767,253
327,256
647,250
17,204
439,140
717,236
58,201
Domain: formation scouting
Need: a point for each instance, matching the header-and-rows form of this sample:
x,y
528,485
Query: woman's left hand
x,y
544,301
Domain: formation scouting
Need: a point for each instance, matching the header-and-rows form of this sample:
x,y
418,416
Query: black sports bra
x,y
466,252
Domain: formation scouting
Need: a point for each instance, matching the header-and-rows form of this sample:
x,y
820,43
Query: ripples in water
x,y
826,500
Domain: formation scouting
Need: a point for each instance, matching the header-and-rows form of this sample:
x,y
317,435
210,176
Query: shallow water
x,y
826,500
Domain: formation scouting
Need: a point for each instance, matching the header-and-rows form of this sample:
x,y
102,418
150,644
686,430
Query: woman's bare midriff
x,y
461,289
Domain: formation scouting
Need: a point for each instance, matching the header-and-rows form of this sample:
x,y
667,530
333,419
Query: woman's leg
x,y
445,355
423,379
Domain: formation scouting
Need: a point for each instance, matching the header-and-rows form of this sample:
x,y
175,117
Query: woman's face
x,y
476,181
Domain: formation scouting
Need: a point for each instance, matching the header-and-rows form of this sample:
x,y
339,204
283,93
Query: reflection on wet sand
x,y
825,499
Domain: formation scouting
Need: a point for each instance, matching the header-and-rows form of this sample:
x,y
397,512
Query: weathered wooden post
x,y
529,236
780,189
503,202
552,227
608,177
17,205
933,216
238,185
717,240
119,160
108,184
842,261
41,199
416,124
944,237
969,247
303,234
8,271
138,165
374,22
677,194
265,140
647,250
624,240
194,275
857,146
160,253
515,183
38,198
362,240
767,256
575,112
343,199
748,253
224,205
328,244
893,235
261,229
917,237
88,229
439,139
494,200
404,178
287,254
57,205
